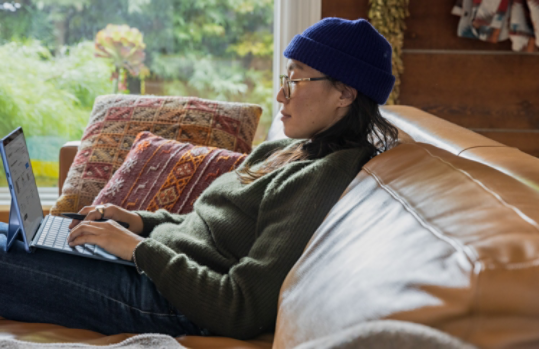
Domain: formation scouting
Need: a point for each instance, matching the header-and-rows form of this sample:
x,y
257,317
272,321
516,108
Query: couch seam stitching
x,y
509,266
482,146
534,262
453,242
495,195
476,297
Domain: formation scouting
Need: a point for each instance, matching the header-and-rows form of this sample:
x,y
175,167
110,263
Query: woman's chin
x,y
288,132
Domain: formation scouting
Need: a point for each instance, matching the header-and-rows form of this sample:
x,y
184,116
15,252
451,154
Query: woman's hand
x,y
113,212
108,235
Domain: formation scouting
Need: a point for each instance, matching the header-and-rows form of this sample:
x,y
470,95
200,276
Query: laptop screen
x,y
19,168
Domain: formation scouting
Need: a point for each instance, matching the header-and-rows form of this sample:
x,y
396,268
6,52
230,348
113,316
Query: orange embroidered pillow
x,y
161,173
117,119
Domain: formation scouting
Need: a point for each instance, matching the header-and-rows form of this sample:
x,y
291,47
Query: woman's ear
x,y
348,96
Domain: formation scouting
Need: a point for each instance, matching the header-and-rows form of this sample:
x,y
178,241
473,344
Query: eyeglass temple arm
x,y
307,79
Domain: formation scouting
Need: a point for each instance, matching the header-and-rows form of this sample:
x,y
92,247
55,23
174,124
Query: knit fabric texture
x,y
162,173
223,264
350,51
117,119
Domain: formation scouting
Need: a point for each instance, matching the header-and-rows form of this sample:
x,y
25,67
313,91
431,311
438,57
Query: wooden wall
x,y
482,86
4,213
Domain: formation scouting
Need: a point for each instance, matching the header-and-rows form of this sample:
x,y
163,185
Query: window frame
x,y
290,17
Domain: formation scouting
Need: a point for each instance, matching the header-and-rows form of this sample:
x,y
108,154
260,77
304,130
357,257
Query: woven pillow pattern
x,y
161,173
117,119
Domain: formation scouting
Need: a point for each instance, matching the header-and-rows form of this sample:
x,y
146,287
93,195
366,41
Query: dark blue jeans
x,y
78,292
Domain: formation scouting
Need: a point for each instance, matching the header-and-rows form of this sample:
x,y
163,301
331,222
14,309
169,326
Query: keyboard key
x,y
69,248
87,250
42,237
102,253
90,248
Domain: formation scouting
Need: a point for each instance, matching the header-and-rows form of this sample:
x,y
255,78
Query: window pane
x,y
50,74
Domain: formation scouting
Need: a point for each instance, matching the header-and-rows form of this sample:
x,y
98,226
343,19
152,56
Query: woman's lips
x,y
285,116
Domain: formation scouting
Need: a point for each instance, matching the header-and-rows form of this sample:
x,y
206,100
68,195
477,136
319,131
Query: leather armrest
x,y
67,155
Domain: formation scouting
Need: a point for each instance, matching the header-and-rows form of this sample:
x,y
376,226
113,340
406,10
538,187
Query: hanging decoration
x,y
388,17
495,21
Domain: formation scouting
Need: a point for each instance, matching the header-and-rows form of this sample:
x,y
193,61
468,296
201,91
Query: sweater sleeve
x,y
150,220
243,302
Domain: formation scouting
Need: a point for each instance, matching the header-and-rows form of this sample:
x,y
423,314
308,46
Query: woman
x,y
219,269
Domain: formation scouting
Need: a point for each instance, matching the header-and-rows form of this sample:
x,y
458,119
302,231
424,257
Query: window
x,y
217,49
50,75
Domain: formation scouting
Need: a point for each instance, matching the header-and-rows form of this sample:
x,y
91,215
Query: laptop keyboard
x,y
55,233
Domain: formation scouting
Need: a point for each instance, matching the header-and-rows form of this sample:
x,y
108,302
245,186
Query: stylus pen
x,y
81,217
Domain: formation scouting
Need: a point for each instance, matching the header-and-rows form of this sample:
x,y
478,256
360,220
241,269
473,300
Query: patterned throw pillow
x,y
161,173
117,119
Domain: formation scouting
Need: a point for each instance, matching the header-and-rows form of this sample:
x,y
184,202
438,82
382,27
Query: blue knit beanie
x,y
350,51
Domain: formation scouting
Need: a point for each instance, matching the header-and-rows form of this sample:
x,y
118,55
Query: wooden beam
x,y
474,91
349,9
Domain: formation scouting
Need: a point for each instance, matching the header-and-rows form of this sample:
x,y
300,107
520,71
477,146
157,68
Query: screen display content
x,y
24,184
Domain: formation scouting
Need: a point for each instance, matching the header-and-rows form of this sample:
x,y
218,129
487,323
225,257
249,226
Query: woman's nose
x,y
280,96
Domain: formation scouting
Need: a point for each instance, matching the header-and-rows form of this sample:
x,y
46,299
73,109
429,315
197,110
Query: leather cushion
x,y
425,236
511,161
427,128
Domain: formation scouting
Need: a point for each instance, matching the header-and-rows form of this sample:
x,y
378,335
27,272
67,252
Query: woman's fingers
x,y
84,211
109,211
74,223
85,228
108,235
93,215
83,239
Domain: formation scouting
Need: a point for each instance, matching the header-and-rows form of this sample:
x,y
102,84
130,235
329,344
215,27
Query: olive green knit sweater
x,y
223,264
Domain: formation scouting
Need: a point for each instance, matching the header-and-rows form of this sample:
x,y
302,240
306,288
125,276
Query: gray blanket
x,y
143,341
383,334
388,334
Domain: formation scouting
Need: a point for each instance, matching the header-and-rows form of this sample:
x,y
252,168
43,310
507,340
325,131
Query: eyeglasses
x,y
285,83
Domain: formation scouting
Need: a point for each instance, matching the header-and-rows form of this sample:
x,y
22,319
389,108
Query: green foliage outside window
x,y
49,77
49,96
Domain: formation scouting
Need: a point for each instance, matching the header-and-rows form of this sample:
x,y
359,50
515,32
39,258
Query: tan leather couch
x,y
441,230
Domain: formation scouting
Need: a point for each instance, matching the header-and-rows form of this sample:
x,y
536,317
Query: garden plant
x,y
49,76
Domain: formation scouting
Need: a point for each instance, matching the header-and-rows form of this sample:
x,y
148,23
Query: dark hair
x,y
361,127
